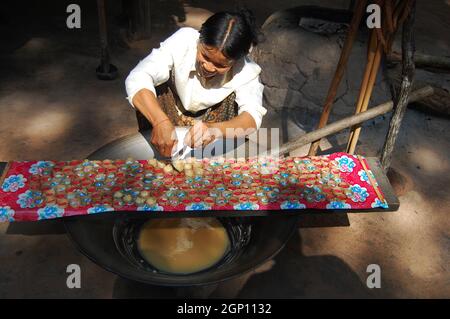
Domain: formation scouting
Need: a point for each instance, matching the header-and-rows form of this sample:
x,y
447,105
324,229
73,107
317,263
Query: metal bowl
x,y
110,241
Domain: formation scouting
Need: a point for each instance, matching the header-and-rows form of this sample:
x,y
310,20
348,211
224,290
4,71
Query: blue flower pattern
x,y
198,206
246,206
378,203
40,167
100,209
338,205
50,211
13,183
292,205
6,214
345,164
364,178
29,199
359,194
150,208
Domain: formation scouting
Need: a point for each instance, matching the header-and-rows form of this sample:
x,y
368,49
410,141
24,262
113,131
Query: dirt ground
x,y
53,107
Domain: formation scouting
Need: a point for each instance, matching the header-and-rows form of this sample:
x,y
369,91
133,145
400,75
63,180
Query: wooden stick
x,y
380,37
355,132
349,121
103,35
379,31
405,12
332,91
398,11
408,48
373,76
395,19
372,48
372,181
389,16
401,12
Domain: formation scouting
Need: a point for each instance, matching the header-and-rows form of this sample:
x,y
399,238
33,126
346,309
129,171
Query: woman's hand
x,y
164,137
163,132
200,134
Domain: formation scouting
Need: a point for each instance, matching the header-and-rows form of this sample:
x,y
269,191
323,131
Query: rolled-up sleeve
x,y
155,68
249,98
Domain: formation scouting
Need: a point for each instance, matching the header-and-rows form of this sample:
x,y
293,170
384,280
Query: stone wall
x,y
299,56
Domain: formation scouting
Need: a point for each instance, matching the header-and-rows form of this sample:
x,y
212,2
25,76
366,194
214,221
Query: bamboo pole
x,y
402,6
356,19
372,49
368,93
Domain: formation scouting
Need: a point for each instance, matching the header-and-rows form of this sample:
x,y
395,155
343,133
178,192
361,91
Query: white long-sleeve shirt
x,y
178,53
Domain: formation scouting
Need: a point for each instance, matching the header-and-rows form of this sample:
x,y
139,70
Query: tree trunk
x,y
408,49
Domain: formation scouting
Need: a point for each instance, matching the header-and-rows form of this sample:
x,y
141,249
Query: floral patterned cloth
x,y
346,186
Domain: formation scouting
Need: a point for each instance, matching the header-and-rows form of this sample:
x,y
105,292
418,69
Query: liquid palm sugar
x,y
183,245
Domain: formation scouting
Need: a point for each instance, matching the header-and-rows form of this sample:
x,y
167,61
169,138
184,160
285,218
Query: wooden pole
x,y
399,8
372,51
373,76
106,70
103,35
349,121
374,64
354,25
388,12
140,26
408,48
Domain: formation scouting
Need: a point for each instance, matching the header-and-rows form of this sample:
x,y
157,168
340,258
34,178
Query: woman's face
x,y
211,61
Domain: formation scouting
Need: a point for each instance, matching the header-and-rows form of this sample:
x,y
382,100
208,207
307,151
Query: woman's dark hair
x,y
232,32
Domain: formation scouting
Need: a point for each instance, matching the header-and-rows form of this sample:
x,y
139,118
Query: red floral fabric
x,y
36,190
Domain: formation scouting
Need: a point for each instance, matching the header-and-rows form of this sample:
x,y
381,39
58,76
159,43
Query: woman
x,y
203,79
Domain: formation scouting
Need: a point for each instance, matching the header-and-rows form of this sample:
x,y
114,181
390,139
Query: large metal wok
x,y
110,239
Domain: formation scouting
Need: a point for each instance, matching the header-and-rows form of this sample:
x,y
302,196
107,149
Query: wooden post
x,y
408,48
103,35
139,13
352,32
106,70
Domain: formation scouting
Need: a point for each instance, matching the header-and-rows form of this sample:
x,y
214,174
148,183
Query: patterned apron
x,y
171,105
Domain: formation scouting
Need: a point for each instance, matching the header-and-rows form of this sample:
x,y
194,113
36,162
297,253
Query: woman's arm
x,y
146,102
163,131
155,68
150,72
